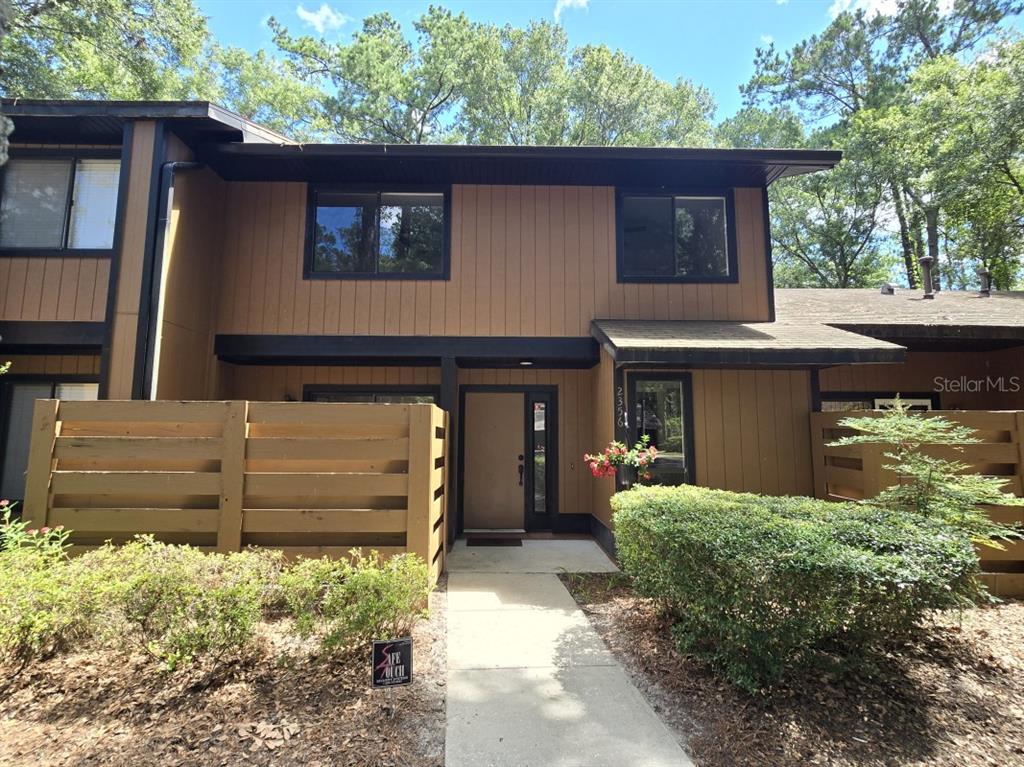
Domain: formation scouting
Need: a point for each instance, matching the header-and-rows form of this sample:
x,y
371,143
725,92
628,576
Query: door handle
x,y
521,469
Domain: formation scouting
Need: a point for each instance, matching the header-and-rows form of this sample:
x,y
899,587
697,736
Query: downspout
x,y
159,273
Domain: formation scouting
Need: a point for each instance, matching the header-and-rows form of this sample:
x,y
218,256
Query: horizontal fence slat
x,y
323,521
135,482
93,448
141,411
850,478
326,448
135,520
326,413
325,483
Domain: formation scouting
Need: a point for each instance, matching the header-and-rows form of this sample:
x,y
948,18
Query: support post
x,y
232,477
450,404
40,462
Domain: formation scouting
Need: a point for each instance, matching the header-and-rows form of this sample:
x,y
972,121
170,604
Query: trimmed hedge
x,y
759,584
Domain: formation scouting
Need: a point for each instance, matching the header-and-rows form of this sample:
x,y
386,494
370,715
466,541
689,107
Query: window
x,y
59,203
387,395
380,235
675,238
19,401
833,402
661,408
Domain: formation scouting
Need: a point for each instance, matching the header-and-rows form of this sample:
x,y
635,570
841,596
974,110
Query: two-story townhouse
x,y
549,298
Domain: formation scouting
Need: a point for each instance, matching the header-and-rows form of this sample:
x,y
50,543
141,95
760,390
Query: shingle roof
x,y
906,314
739,343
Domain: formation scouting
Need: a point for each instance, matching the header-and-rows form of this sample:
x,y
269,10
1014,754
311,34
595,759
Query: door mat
x,y
494,541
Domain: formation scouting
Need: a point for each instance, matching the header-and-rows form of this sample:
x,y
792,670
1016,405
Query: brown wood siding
x,y
191,254
129,280
603,382
525,261
47,364
919,373
575,404
751,431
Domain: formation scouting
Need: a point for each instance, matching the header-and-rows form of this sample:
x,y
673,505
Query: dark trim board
x,y
769,262
33,337
604,536
467,351
551,391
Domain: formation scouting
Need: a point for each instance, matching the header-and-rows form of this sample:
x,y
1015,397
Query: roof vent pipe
x,y
888,289
926,276
986,281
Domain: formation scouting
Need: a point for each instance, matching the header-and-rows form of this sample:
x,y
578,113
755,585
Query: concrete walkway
x,y
530,683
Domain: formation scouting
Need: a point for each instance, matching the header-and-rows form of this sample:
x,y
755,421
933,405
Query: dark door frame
x,y
550,392
686,379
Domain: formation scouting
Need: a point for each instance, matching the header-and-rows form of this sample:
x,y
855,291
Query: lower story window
x,y
374,395
661,408
17,401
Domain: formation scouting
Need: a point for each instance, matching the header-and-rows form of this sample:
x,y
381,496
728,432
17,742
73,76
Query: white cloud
x,y
322,20
561,5
767,39
782,2
877,7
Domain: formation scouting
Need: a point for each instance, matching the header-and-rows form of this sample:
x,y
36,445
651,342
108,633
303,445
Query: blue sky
x,y
711,42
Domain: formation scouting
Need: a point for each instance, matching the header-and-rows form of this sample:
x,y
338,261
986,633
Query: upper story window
x,y
58,203
377,234
676,238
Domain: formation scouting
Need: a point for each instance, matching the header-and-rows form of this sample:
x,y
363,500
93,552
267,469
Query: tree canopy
x,y
926,101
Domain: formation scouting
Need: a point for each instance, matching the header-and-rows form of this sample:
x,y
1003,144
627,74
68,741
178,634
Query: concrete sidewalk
x,y
530,683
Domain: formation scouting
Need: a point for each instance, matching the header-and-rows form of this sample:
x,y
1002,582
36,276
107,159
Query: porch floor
x,y
529,680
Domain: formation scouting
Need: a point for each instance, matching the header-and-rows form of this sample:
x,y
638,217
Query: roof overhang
x,y
701,343
929,337
447,164
467,351
49,121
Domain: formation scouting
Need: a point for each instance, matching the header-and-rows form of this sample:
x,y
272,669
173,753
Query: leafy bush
x,y
347,603
759,584
179,602
39,613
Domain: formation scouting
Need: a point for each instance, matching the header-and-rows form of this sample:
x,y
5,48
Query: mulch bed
x,y
955,696
279,707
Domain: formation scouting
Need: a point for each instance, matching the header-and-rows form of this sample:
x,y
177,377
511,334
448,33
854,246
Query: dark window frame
x,y
73,155
7,384
313,190
730,235
309,391
632,430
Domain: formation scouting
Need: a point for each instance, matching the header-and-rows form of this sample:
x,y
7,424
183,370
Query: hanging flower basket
x,y
636,461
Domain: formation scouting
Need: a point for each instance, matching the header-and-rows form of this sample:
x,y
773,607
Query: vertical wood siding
x,y
47,289
918,374
47,364
191,254
525,261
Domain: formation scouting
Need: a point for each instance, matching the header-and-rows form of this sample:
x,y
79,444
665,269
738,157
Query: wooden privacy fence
x,y
310,478
854,472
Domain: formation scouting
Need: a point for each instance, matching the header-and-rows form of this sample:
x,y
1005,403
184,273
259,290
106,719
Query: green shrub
x,y
759,584
41,611
346,604
180,603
